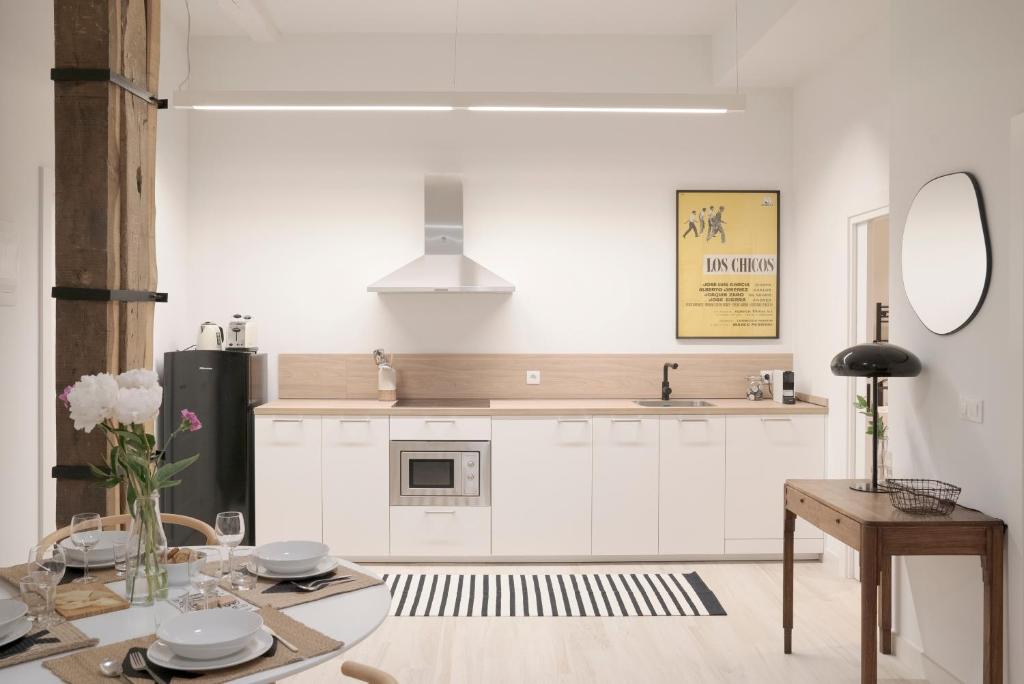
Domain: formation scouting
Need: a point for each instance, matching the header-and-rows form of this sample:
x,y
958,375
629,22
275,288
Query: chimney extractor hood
x,y
443,268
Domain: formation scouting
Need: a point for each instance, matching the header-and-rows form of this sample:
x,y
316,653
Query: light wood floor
x,y
745,646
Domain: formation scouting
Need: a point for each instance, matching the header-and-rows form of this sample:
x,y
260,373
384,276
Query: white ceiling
x,y
529,17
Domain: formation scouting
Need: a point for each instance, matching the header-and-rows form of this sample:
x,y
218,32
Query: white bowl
x,y
177,573
103,552
11,610
291,556
209,634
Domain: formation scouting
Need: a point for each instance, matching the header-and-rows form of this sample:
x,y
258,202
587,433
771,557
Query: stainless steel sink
x,y
673,403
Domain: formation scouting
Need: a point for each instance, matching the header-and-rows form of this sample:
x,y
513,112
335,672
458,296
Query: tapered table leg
x,y
885,604
868,604
992,672
788,528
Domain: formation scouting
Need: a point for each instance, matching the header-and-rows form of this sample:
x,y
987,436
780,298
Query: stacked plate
x,y
100,556
292,560
209,640
13,623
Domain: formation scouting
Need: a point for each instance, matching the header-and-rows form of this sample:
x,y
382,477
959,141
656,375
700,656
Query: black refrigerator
x,y
223,388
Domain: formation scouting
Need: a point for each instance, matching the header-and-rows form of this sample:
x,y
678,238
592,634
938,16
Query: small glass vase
x,y
145,574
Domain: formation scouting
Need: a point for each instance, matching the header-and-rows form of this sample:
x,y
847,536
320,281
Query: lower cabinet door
x,y
288,479
355,489
692,501
541,478
440,531
763,452
625,511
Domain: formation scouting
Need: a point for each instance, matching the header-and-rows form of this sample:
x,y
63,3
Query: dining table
x,y
348,618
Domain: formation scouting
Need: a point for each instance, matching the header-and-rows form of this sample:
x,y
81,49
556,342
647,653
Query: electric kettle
x,y
211,337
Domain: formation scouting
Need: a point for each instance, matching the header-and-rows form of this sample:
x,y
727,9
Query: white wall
x,y
956,82
26,143
840,169
296,213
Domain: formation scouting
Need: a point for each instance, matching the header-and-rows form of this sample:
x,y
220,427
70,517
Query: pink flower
x,y
63,396
192,419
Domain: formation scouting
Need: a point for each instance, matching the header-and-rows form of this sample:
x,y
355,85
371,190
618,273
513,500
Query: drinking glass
x,y
230,528
120,558
48,558
204,581
241,579
85,534
38,590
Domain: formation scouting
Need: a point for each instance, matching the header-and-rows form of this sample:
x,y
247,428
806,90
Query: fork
x,y
317,585
139,663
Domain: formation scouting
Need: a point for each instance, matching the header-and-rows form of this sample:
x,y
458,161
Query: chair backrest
x,y
113,521
365,673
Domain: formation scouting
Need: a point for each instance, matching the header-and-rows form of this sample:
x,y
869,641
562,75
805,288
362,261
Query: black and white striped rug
x,y
551,595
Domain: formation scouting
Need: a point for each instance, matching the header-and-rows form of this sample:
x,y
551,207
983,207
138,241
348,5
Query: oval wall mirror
x,y
946,256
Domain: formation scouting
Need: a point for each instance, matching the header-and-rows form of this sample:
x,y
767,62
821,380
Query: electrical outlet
x,y
972,409
766,375
533,377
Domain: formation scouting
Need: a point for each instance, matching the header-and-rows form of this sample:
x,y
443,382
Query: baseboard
x,y
917,660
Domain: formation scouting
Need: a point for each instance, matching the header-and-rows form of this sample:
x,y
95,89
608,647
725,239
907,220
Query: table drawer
x,y
826,519
442,428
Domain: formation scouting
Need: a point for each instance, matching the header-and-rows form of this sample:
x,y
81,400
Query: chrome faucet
x,y
666,390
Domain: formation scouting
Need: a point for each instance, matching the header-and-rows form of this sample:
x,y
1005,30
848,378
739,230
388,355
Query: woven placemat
x,y
83,667
272,593
14,573
44,642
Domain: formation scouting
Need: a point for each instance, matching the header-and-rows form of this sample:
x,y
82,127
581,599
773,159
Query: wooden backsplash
x,y
503,376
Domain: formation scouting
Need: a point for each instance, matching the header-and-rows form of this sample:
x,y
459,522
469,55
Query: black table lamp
x,y
875,360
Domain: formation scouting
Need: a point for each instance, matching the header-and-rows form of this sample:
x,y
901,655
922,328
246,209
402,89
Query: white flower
x,y
92,400
137,405
141,378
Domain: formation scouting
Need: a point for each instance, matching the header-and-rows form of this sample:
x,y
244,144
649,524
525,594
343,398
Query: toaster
x,y
241,333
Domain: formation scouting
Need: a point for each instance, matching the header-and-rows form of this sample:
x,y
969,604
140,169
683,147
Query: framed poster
x,y
727,264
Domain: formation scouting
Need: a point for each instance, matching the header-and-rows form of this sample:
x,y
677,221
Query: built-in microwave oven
x,y
428,473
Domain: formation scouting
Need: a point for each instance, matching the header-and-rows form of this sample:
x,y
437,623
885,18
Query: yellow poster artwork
x,y
727,264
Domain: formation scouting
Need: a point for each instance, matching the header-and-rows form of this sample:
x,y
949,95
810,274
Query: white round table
x,y
348,618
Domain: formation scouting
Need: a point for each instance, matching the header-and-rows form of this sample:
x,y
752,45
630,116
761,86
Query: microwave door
x,y
431,473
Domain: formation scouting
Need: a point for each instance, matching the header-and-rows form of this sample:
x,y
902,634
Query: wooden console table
x,y
870,524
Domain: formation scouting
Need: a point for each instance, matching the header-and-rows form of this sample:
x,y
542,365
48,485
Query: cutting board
x,y
76,601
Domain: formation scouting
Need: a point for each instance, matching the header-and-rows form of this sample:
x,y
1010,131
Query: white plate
x,y
10,611
103,551
161,654
14,632
291,557
322,568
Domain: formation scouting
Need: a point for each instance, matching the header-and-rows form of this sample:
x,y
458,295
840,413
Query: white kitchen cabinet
x,y
441,428
692,480
541,478
625,509
440,531
355,485
762,452
288,479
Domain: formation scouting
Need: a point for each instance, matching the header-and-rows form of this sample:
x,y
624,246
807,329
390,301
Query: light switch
x,y
972,409
533,377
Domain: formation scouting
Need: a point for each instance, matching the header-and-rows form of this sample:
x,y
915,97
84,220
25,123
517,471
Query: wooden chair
x,y
113,521
365,673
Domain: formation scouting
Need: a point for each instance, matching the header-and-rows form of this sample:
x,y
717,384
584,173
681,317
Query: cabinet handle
x,y
448,420
776,420
692,420
627,420
286,420
353,420
448,512
573,420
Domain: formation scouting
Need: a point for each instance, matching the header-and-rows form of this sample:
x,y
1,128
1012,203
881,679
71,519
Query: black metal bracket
x,y
107,75
72,472
90,294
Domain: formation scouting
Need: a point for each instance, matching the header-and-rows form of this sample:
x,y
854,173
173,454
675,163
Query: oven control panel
x,y
470,473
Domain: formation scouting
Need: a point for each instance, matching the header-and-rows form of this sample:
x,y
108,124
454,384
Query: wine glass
x,y
230,528
85,534
46,564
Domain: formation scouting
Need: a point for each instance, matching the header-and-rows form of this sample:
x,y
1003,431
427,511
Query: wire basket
x,y
923,497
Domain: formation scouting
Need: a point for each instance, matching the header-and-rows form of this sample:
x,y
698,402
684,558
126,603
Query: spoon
x,y
112,668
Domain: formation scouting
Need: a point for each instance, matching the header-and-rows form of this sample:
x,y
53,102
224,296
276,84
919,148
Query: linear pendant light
x,y
443,101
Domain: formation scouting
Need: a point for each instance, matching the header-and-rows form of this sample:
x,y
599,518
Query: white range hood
x,y
443,267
